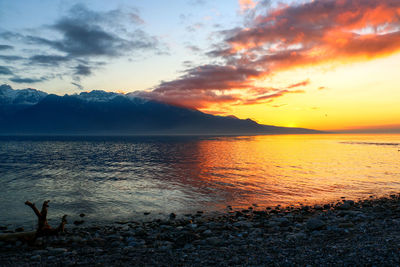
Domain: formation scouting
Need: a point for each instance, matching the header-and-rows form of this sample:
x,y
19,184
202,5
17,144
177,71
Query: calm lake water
x,y
119,178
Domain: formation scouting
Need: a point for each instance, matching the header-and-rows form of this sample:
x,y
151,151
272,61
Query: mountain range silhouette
x,y
31,111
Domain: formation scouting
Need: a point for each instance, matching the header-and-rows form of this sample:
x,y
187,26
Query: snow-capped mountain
x,y
97,96
102,96
27,96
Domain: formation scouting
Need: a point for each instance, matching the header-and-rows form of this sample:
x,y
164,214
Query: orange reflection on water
x,y
292,169
118,178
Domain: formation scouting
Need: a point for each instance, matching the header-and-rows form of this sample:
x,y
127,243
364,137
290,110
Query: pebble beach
x,y
345,233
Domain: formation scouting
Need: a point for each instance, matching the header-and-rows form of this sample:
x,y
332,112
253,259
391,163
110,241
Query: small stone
x,y
187,246
345,206
238,214
76,239
19,229
283,221
146,213
315,224
82,215
172,216
36,258
130,238
300,236
40,251
207,232
57,250
327,206
346,225
215,241
318,207
116,244
185,238
133,244
79,222
243,224
193,225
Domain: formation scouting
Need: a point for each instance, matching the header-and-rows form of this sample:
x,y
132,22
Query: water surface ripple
x,y
115,178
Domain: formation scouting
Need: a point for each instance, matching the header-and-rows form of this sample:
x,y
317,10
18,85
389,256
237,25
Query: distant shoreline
x,y
160,135
185,135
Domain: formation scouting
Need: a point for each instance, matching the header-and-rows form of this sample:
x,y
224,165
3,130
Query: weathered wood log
x,y
43,229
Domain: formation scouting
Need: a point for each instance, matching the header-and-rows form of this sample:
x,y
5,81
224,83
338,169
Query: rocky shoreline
x,y
364,232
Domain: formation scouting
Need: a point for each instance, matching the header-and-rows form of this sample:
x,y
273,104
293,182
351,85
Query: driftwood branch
x,y
43,229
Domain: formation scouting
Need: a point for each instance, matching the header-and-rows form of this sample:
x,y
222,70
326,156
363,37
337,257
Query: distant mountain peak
x,y
232,117
251,121
97,96
27,96
4,87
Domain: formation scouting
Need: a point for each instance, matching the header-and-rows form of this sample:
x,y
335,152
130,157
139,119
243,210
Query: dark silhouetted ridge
x,y
103,113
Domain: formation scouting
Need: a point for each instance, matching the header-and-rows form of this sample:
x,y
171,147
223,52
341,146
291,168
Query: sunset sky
x,y
321,64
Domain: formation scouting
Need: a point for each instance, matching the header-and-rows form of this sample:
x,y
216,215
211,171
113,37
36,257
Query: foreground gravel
x,y
366,232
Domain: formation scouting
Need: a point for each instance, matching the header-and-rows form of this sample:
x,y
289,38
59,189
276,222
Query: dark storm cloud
x,y
86,33
6,47
83,70
48,59
87,40
12,36
26,80
85,37
5,71
10,58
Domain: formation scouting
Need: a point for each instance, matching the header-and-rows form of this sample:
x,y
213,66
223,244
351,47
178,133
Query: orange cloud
x,y
289,36
303,83
318,31
269,97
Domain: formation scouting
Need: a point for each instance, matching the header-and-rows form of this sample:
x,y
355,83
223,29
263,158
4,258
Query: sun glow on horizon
x,y
339,96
